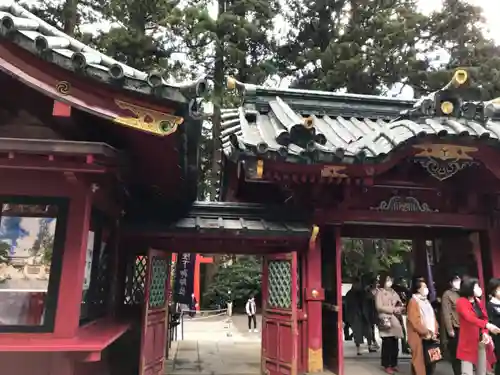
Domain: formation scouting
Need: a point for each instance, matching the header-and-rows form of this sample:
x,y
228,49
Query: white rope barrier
x,y
202,311
207,317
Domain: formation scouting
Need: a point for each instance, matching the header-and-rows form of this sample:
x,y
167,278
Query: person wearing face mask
x,y
474,338
451,322
389,308
493,308
422,327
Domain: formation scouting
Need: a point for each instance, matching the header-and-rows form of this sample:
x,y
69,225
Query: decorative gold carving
x,y
148,120
63,87
443,161
403,204
333,171
444,151
314,233
308,122
314,360
259,171
443,170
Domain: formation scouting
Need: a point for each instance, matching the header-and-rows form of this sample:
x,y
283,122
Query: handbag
x,y
384,323
432,351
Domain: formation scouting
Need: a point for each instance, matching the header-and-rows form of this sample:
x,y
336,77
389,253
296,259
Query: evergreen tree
x,y
457,30
358,45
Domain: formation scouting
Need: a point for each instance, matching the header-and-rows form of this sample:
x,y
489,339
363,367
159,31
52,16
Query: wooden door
x,y
155,313
280,336
333,339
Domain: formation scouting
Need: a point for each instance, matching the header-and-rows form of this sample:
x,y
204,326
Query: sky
x,y
491,13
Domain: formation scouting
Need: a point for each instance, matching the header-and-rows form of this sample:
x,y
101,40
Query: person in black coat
x,y
493,308
357,315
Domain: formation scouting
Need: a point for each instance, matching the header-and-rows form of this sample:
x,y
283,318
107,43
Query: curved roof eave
x,y
40,38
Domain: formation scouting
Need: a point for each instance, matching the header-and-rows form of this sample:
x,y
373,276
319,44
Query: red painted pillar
x,y
314,296
476,250
196,281
419,253
73,264
494,249
340,319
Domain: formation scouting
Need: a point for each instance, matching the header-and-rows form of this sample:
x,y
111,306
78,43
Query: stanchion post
x,y
182,325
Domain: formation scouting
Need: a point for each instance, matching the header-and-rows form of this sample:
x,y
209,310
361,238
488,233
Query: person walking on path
x,y
422,327
474,341
251,310
389,307
357,316
493,308
451,323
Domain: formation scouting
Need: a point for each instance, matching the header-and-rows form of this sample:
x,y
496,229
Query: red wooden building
x,y
98,163
85,142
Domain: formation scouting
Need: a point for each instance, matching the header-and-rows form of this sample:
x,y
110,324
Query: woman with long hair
x,y
389,307
474,336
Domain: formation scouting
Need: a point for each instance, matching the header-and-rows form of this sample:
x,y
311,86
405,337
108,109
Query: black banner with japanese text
x,y
184,278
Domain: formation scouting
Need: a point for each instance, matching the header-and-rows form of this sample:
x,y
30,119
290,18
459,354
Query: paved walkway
x,y
211,346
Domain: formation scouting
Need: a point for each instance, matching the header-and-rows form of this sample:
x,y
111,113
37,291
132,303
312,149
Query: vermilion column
x,y
73,264
494,249
314,296
419,252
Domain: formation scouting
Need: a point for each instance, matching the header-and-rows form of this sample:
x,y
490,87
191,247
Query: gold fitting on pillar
x,y
314,293
314,233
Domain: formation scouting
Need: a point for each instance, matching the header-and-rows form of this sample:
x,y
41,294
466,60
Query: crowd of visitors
x,y
468,321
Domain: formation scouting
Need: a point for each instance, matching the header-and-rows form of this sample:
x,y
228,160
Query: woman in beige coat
x,y
389,306
422,325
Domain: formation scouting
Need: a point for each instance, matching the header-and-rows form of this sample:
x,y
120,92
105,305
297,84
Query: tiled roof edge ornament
x,y
38,37
459,98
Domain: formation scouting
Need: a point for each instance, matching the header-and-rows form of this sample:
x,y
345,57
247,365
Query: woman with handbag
x,y
389,307
474,342
422,330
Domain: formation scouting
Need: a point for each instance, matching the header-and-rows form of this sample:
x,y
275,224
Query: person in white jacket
x,y
251,310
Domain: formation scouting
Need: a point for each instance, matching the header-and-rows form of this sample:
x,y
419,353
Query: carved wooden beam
x,y
443,161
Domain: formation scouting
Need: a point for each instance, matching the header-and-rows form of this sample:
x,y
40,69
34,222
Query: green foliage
x,y
362,256
242,276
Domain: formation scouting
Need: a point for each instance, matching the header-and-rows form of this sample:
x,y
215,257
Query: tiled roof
x,y
241,219
44,40
309,126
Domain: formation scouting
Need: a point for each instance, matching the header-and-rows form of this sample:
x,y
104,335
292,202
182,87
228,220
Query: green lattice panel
x,y
159,275
279,284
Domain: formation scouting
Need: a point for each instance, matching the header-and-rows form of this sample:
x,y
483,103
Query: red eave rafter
x,y
49,162
216,243
363,174
422,219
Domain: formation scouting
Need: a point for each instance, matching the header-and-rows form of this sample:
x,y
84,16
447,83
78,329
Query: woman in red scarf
x,y
474,342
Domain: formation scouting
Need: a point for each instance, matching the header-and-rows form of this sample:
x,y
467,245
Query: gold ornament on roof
x,y
63,87
308,122
148,120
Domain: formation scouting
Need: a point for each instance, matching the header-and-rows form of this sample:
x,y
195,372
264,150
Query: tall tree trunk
x,y
70,16
216,124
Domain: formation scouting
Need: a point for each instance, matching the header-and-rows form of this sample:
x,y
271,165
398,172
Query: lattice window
x,y
159,276
279,289
103,276
135,280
